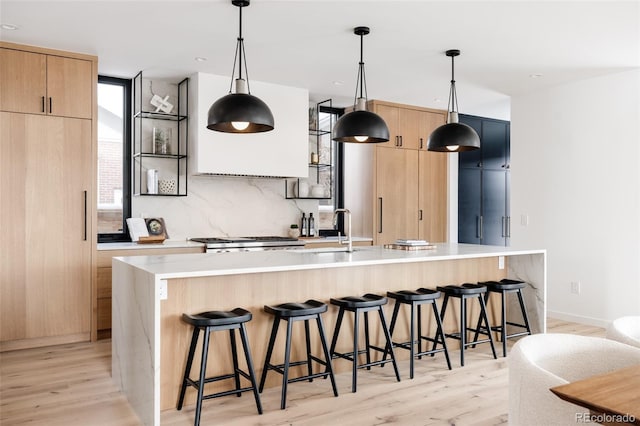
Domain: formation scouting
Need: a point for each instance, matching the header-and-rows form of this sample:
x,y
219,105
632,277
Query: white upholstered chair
x,y
625,330
541,361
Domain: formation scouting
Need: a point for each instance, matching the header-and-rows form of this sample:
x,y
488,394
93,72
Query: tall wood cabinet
x,y
47,181
404,195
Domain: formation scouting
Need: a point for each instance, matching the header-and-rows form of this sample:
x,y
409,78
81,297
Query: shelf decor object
x,y
240,112
453,136
360,125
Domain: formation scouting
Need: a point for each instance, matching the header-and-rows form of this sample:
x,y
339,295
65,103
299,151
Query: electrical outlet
x,y
164,293
524,219
575,287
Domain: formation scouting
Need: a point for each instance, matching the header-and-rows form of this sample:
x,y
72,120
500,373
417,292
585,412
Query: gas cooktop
x,y
261,241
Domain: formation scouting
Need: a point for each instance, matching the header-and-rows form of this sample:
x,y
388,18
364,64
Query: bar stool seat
x,y
416,299
504,287
293,312
464,292
218,321
362,304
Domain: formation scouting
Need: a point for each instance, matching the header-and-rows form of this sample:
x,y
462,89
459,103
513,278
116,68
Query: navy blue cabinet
x,y
484,184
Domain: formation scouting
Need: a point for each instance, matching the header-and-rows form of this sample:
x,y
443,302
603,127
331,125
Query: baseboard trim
x,y
37,342
596,322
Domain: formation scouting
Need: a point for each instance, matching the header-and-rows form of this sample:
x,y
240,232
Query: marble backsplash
x,y
218,206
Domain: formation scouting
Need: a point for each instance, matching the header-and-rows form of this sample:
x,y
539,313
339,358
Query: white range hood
x,y
281,152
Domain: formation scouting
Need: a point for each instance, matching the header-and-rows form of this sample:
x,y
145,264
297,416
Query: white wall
x,y
575,160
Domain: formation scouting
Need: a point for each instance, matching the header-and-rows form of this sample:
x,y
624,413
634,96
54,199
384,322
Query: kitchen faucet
x,y
349,241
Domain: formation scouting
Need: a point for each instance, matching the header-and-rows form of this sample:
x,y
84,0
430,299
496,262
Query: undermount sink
x,y
322,250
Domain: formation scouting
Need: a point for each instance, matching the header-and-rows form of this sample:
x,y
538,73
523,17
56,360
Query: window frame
x,y
338,176
126,159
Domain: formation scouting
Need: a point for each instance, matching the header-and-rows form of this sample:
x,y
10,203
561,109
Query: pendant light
x,y
240,112
360,125
453,136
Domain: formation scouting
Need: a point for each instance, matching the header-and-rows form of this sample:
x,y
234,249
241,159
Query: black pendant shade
x,y
453,136
240,112
240,108
360,125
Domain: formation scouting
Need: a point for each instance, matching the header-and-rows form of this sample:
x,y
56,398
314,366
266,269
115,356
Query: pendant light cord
x,y
238,56
453,97
361,80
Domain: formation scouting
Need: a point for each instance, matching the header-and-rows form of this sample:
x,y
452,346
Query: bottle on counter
x,y
312,226
303,226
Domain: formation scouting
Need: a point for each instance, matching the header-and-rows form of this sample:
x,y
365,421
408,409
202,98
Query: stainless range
x,y
231,244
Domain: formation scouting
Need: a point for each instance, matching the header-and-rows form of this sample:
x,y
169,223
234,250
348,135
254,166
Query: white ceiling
x,y
310,43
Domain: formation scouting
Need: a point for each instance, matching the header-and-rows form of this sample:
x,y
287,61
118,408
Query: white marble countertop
x,y
213,264
134,246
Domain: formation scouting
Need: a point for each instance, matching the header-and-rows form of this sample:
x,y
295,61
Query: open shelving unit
x,y
167,155
320,143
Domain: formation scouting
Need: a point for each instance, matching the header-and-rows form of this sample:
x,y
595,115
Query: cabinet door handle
x,y
379,215
400,140
421,143
420,214
397,140
85,215
50,106
479,227
43,110
508,226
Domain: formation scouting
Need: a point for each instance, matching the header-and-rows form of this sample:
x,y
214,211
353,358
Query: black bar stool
x,y
464,292
292,312
505,287
218,321
416,299
364,304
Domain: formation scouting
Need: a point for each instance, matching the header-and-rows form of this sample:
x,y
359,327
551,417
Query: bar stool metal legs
x,y
293,312
357,305
415,299
464,292
218,321
504,287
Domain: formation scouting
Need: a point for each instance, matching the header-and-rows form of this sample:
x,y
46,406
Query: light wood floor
x,y
71,385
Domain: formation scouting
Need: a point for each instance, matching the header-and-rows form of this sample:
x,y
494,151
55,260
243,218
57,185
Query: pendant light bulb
x,y
453,136
240,112
240,125
360,125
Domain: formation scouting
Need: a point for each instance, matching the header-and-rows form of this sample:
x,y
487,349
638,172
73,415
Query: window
x,y
327,117
114,157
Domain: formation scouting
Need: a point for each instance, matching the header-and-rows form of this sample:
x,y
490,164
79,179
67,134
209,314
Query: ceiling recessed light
x,y
200,59
535,75
9,27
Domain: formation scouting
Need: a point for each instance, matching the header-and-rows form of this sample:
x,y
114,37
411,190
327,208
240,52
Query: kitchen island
x,y
150,293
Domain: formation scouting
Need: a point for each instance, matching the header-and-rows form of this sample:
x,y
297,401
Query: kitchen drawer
x,y
104,283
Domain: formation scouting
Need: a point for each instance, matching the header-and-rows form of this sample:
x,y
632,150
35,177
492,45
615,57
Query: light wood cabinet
x,y
46,257
38,83
47,181
432,196
401,188
408,127
102,299
396,209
